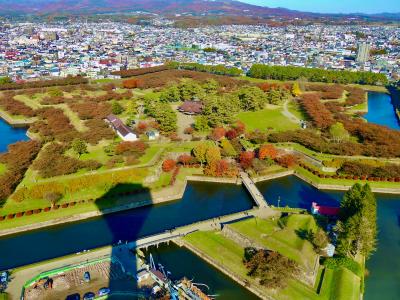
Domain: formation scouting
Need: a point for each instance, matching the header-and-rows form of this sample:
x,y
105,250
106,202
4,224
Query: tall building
x,y
363,52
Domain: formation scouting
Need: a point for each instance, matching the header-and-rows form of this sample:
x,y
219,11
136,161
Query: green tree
x,y
251,98
79,146
357,222
210,86
338,132
52,197
116,108
5,80
200,152
171,94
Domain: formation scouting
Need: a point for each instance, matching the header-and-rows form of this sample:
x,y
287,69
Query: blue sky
x,y
333,6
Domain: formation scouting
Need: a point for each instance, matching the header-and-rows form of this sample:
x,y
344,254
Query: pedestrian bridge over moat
x,y
253,190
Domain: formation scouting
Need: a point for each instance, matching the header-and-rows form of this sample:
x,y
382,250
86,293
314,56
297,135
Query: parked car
x,y
86,276
73,297
104,291
89,296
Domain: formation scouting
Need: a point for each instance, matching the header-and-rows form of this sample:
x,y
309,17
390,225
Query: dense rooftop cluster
x,y
30,50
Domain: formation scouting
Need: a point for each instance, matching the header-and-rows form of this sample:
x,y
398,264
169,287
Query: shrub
x,y
10,216
19,214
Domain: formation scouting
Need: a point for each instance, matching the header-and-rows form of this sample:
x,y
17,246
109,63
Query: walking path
x,y
288,114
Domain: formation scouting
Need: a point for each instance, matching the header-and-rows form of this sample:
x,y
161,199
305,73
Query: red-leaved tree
x,y
246,158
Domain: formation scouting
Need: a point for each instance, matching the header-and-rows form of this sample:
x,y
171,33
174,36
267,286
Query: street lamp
x,y
279,200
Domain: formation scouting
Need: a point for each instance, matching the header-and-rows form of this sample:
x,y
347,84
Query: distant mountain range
x,y
162,7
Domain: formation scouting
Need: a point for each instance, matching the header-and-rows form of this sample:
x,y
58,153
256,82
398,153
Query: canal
x,y
10,135
381,110
384,265
203,201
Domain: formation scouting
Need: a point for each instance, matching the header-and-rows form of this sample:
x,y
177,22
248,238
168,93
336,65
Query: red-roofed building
x,y
191,107
328,211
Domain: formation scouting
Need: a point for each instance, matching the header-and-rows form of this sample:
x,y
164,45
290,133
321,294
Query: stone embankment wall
x,y
239,238
200,178
243,282
272,176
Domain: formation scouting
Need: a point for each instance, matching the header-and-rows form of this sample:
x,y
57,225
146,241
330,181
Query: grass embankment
x,y
330,284
265,119
345,182
286,241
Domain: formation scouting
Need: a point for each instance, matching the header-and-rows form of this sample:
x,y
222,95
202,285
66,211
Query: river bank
x,y
172,194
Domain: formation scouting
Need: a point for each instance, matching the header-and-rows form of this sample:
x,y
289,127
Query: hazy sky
x,y
333,6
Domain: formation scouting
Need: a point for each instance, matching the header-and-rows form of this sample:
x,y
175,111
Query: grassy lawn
x,y
265,119
230,255
345,285
223,250
296,110
363,107
75,188
151,152
285,241
3,168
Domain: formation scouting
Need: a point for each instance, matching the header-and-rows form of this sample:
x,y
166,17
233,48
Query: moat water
x,y
381,110
10,135
203,201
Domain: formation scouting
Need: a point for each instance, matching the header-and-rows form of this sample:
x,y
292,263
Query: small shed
x,y
153,135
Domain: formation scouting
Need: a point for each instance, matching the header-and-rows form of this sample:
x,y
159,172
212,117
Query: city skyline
x,y
340,6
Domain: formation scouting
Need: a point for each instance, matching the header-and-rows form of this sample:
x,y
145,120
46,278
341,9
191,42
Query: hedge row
x,y
348,177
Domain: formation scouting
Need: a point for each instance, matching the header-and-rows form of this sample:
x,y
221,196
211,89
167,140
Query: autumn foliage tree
x,y
246,159
168,165
286,160
218,133
185,159
267,151
316,110
130,83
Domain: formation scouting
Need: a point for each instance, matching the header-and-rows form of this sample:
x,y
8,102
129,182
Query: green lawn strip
x,y
73,117
297,290
3,168
31,102
92,187
266,118
221,249
296,110
151,152
345,286
345,182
